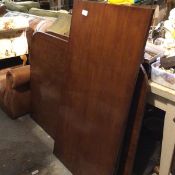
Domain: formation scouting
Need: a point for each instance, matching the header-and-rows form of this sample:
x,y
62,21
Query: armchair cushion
x,y
29,4
46,13
15,7
61,26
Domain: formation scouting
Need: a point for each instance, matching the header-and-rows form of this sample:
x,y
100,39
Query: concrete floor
x,y
26,148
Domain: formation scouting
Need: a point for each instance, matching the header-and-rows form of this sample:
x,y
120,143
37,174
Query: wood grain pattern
x,y
106,49
48,63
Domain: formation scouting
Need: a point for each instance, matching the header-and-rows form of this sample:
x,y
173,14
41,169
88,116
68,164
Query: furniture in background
x,y
24,6
42,7
57,22
15,90
61,27
36,23
13,38
47,13
164,98
84,87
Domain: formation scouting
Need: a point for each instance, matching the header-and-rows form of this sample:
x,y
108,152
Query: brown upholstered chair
x,y
15,91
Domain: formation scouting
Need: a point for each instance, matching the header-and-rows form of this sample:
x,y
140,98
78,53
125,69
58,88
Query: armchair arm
x,y
18,76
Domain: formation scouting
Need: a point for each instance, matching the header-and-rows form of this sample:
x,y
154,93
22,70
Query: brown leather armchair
x,y
15,91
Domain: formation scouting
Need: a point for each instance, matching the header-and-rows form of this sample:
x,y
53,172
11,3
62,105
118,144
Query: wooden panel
x,y
48,63
105,49
134,124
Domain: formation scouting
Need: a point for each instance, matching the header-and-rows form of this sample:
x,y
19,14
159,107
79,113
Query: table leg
x,y
24,59
168,140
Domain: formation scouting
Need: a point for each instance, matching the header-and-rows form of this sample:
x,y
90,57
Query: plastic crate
x,y
161,76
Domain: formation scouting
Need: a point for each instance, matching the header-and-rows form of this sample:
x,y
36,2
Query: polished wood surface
x,y
134,124
105,51
48,65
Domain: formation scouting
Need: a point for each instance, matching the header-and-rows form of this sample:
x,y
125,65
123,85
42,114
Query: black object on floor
x,y
148,152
